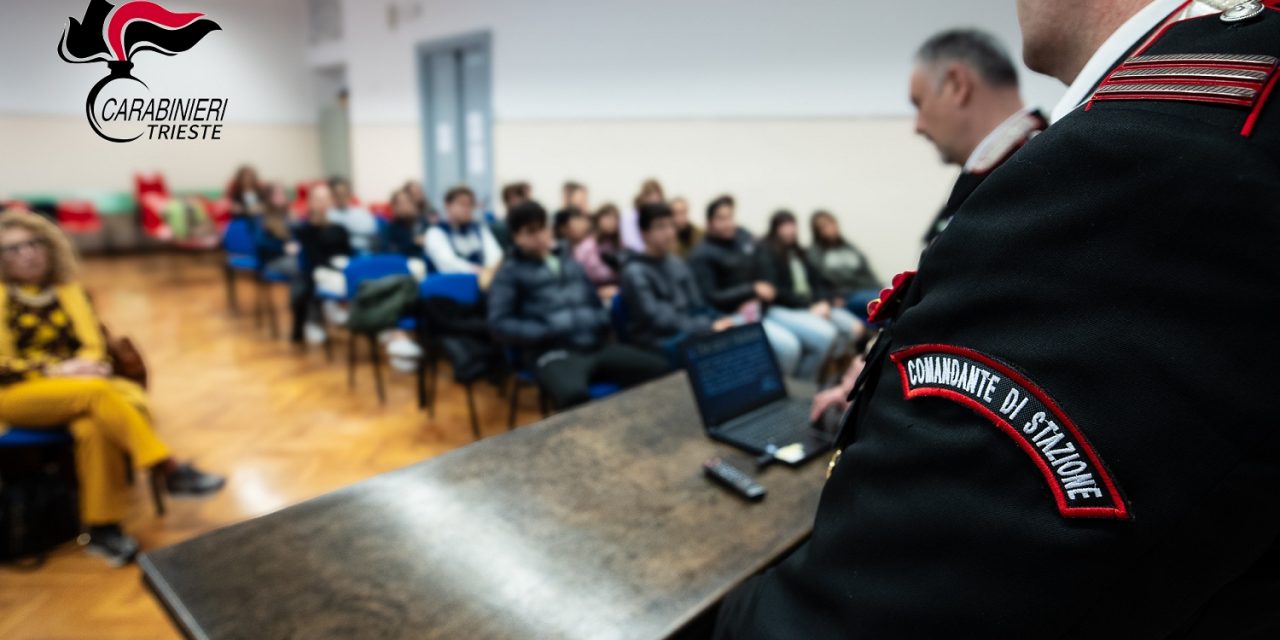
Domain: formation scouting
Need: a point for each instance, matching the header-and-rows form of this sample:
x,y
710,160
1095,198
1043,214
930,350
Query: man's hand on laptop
x,y
837,396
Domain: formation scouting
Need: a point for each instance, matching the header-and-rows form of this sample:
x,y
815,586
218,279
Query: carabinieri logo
x,y
114,34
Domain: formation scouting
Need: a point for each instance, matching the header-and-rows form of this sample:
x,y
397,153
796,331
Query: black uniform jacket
x,y
1067,431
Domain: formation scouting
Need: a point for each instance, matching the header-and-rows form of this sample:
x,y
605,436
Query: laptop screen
x,y
733,372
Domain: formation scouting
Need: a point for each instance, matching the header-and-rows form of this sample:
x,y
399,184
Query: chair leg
x,y
375,358
351,363
434,371
230,276
471,405
515,401
270,302
259,313
157,492
422,386
128,469
544,402
328,338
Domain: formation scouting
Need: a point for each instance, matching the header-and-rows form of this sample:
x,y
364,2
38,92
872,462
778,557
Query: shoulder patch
x,y
1081,485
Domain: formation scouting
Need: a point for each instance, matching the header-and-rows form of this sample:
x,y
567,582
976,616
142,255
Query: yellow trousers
x,y
108,418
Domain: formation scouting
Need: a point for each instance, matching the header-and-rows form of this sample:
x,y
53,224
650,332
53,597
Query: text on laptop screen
x,y
732,373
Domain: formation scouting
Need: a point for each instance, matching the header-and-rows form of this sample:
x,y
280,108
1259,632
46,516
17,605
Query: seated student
x,y
54,371
246,193
726,269
651,192
571,226
325,247
803,303
459,244
662,301
576,196
426,213
688,235
841,264
542,303
600,253
277,251
361,225
513,194
404,232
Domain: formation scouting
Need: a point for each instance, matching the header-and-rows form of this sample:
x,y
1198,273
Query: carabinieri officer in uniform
x,y
1067,430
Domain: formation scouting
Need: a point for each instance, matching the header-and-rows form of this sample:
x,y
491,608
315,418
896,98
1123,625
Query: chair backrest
x,y
238,238
463,288
618,317
77,214
363,268
154,183
380,209
219,211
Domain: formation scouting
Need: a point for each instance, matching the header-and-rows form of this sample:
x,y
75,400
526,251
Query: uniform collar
x,y
1003,140
1124,40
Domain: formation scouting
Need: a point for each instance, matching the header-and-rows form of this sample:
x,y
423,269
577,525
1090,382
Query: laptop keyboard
x,y
770,422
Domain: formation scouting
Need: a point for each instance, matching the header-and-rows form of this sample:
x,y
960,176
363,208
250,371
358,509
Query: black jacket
x,y
845,267
774,267
537,310
662,301
726,270
1119,274
320,244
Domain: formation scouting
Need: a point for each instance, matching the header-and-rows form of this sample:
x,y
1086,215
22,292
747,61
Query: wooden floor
x,y
280,423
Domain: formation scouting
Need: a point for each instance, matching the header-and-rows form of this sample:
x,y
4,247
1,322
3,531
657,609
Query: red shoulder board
x,y
1240,80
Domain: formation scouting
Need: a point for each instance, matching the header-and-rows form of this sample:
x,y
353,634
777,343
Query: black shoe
x,y
187,480
112,544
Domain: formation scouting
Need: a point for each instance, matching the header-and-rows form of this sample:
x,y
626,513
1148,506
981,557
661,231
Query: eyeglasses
x,y
18,248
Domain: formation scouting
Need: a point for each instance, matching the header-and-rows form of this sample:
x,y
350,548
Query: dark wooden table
x,y
595,523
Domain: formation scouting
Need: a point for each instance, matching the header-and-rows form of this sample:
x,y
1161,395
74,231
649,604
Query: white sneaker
x,y
404,348
314,333
336,313
404,365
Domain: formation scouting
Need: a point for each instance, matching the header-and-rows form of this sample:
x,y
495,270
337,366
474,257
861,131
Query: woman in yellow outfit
x,y
54,372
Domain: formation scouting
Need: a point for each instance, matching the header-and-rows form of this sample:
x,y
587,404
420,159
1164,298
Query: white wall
x,y
646,59
258,61
798,104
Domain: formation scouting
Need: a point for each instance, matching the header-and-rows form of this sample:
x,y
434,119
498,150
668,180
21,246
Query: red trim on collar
x,y
1252,121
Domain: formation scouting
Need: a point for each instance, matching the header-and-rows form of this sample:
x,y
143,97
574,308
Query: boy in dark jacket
x,y
542,302
662,301
727,270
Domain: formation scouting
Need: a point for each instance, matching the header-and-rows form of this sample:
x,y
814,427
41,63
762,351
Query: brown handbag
x,y
125,358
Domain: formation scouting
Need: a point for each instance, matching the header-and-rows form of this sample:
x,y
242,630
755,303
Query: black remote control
x,y
733,479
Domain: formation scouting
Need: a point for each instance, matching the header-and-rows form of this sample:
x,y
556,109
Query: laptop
x,y
742,397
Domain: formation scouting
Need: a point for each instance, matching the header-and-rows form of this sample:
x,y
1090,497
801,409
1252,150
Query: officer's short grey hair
x,y
976,49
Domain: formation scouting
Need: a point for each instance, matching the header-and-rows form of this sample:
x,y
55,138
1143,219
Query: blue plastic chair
x,y
20,438
360,270
265,308
241,257
464,289
525,378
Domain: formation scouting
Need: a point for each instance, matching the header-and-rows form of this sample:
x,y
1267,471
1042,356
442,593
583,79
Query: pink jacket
x,y
587,253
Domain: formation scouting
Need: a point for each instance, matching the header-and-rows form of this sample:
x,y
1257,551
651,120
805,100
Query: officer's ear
x,y
957,84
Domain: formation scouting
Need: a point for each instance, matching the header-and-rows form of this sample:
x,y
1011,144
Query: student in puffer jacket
x,y
542,303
